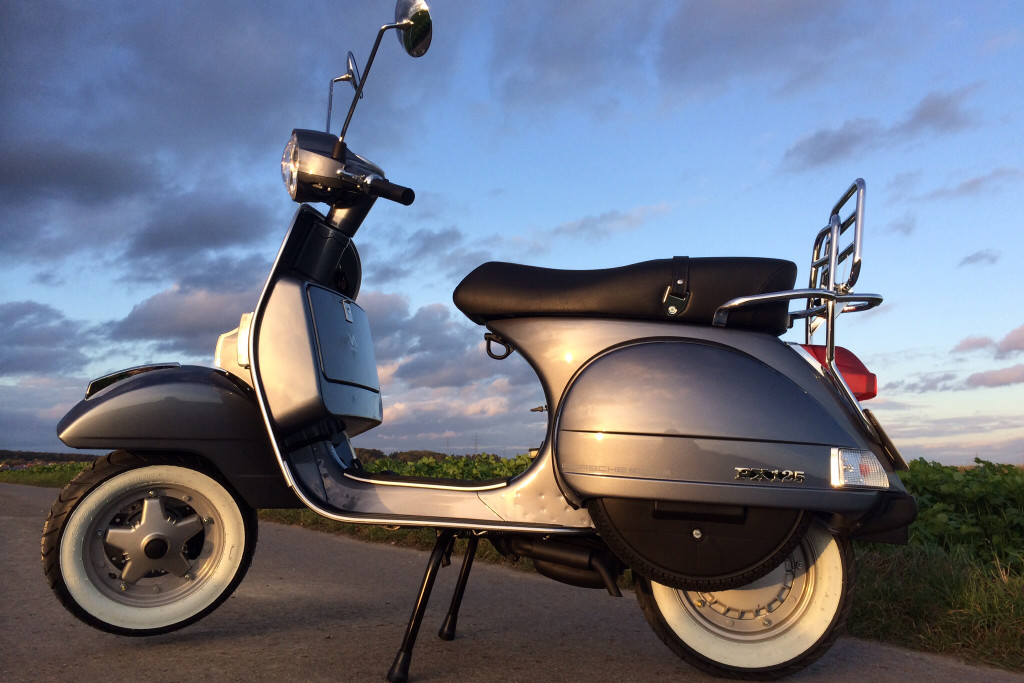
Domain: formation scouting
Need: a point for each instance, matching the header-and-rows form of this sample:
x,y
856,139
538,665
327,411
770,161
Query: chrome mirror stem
x,y
366,73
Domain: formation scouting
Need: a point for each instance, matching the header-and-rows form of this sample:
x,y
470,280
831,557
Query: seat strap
x,y
677,293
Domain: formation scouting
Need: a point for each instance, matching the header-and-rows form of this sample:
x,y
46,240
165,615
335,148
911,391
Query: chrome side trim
x,y
423,485
101,383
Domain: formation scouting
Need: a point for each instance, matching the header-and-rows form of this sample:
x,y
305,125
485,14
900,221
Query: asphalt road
x,y
316,607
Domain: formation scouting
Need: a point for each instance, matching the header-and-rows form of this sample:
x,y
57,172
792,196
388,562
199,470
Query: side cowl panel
x,y
188,409
676,420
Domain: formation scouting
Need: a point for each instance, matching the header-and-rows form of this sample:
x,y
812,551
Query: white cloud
x,y
1011,343
935,113
997,378
973,344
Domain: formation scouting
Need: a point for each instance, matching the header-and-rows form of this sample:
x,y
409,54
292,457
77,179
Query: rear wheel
x,y
768,628
142,545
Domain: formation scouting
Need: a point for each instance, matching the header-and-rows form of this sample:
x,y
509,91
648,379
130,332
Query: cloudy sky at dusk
x,y
141,202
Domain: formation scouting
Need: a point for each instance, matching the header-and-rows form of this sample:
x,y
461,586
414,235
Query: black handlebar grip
x,y
379,187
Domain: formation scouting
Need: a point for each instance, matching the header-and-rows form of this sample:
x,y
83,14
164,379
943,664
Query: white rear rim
x,y
152,547
768,622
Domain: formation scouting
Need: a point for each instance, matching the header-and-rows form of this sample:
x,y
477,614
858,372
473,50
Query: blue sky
x,y
141,201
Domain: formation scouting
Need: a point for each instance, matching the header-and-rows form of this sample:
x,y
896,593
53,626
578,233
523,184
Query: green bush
x,y
54,475
473,467
979,510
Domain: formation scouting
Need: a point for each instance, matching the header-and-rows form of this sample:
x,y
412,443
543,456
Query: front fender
x,y
187,409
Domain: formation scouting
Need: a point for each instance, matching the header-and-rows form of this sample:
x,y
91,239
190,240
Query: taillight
x,y
861,381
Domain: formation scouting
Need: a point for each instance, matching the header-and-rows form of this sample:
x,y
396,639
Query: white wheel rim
x,y
769,622
162,592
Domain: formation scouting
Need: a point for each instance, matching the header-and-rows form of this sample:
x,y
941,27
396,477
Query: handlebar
x,y
380,187
316,164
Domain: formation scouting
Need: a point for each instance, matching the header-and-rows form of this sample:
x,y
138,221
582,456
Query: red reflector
x,y
861,381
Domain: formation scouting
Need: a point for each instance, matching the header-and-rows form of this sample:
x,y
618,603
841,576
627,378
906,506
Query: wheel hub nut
x,y
156,548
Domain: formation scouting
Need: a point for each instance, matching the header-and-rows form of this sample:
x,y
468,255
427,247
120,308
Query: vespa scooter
x,y
727,469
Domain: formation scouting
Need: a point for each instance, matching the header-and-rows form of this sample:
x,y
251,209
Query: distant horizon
x,y
511,452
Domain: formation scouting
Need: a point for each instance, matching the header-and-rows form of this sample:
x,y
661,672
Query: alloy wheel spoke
x,y
153,513
156,543
179,533
122,538
136,568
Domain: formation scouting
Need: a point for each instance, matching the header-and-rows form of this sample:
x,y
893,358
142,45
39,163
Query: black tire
x,y
749,633
142,545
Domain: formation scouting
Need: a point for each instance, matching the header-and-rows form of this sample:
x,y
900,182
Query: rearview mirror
x,y
413,20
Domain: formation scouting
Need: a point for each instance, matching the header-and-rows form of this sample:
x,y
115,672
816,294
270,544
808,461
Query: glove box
x,y
315,360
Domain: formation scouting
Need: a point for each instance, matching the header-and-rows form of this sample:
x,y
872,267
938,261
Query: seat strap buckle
x,y
677,295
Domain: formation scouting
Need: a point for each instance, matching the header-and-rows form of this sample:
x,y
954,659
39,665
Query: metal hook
x,y
495,339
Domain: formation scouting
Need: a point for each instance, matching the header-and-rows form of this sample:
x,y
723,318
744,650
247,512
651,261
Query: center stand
x,y
440,556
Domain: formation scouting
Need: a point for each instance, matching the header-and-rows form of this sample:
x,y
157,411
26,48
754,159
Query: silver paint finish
x,y
676,425
313,363
687,411
450,507
534,497
691,388
530,502
558,348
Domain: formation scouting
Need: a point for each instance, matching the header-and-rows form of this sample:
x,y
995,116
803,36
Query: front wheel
x,y
141,545
766,629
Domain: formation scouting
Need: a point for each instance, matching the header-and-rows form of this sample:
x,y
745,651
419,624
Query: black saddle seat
x,y
508,290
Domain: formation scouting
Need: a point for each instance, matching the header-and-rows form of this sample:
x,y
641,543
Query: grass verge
x,y
930,599
51,476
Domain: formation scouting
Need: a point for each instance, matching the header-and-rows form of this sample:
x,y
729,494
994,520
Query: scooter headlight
x,y
852,468
290,166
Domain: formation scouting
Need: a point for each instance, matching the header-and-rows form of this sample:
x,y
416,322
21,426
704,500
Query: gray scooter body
x,y
639,409
676,412
183,410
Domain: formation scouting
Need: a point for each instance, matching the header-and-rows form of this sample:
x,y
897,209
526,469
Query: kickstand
x,y
447,631
399,672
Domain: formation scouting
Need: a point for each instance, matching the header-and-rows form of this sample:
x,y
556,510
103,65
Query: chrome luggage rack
x,y
826,297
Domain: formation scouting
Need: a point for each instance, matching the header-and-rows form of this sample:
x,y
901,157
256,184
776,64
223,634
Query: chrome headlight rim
x,y
290,166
